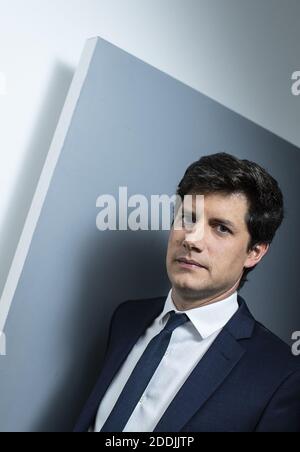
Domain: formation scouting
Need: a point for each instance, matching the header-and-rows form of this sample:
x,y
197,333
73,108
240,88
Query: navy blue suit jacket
x,y
248,381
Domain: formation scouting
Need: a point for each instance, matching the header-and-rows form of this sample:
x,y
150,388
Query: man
x,y
196,360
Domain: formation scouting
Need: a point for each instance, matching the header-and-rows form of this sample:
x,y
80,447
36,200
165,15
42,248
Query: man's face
x,y
221,249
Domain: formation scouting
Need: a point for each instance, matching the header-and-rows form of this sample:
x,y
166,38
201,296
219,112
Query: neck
x,y
183,303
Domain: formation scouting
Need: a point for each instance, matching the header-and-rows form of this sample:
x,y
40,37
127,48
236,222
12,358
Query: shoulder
x,y
265,350
138,305
272,353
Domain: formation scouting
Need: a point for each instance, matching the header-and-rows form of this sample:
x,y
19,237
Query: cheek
x,y
171,248
228,255
175,239
174,247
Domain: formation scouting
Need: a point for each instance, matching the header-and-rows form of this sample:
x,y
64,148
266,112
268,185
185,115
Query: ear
x,y
256,254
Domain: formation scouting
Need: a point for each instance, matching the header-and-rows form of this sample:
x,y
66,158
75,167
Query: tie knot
x,y
175,320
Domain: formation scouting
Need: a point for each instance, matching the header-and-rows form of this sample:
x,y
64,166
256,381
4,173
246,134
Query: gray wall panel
x,y
133,126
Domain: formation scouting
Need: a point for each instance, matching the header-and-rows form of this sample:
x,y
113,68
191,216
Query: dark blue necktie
x,y
141,375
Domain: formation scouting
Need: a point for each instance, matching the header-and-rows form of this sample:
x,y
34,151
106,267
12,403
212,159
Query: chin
x,y
189,279
186,286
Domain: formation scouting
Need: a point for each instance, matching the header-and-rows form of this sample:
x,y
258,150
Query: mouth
x,y
188,263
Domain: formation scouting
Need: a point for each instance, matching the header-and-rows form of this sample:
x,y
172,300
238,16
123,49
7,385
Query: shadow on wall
x,y
34,160
136,263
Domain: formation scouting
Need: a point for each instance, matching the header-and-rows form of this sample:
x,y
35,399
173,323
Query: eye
x,y
225,229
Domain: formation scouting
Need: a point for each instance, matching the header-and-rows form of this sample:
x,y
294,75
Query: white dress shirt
x,y
189,342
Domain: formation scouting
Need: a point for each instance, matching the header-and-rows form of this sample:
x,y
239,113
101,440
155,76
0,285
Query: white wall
x,y
239,52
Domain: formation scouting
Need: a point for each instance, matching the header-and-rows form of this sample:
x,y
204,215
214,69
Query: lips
x,y
189,262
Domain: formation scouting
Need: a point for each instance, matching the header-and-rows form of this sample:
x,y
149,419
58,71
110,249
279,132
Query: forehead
x,y
232,207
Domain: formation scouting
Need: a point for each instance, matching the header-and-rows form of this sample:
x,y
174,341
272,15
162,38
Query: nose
x,y
191,245
195,234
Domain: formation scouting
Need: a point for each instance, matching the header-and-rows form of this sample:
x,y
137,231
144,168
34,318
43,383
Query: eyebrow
x,y
216,220
225,222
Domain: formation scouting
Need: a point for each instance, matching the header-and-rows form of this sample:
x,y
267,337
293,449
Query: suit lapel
x,y
224,354
132,323
130,333
207,376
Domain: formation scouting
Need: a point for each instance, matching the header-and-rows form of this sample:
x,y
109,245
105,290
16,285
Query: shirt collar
x,y
206,319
